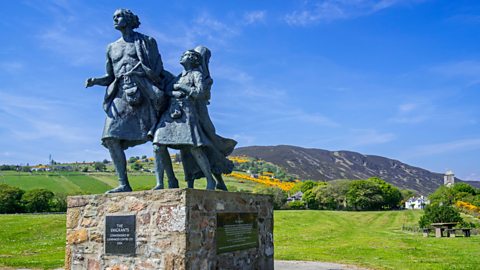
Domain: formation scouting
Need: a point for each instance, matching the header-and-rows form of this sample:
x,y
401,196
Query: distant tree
x,y
58,203
391,194
10,199
136,166
296,205
144,157
26,169
100,166
7,168
105,161
132,159
332,195
303,186
464,188
439,213
279,196
37,200
364,195
177,158
309,198
85,169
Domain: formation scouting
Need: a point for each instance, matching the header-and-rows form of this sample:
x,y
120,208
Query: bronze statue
x,y
186,125
134,97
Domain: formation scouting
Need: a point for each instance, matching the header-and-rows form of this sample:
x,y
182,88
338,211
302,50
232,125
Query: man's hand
x,y
90,82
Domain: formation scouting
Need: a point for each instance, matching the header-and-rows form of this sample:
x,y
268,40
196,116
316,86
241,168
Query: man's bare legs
x,y
120,162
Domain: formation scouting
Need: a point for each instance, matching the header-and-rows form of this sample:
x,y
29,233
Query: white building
x,y
416,203
449,179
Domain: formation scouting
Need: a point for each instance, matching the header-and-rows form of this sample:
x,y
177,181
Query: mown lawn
x,y
99,182
369,239
32,241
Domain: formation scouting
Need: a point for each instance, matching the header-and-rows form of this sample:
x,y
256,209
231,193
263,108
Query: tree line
x,y
357,195
15,200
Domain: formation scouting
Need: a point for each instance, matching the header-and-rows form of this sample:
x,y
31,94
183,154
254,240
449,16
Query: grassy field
x,y
98,182
369,239
32,241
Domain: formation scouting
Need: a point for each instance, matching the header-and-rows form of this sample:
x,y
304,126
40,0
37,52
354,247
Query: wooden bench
x,y
451,233
466,232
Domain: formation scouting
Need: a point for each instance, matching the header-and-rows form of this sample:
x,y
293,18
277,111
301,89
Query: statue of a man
x,y
134,97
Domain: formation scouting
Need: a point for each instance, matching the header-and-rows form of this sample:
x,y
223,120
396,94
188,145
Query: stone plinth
x,y
172,229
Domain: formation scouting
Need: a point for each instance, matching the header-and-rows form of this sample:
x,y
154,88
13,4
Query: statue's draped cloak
x,y
131,124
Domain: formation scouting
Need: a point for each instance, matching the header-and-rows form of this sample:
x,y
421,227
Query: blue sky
x,y
396,78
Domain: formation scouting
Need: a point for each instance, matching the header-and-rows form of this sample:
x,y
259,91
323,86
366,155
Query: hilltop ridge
x,y
324,165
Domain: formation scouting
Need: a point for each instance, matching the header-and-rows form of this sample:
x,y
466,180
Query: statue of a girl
x,y
186,125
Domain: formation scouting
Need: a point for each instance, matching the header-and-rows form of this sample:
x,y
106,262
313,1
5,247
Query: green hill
x,y
99,182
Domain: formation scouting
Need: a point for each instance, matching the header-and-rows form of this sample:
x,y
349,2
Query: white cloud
x,y
11,66
468,70
446,147
254,16
413,113
331,10
471,177
362,137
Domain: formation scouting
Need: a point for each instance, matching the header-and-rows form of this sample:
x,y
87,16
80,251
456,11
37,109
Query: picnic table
x,y
443,226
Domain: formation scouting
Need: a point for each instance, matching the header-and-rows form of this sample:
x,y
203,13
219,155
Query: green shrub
x,y
37,200
10,199
439,213
279,196
296,205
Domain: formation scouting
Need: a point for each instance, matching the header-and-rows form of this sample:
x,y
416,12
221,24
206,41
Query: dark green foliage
x,y
100,166
364,195
136,166
279,196
463,187
309,198
391,195
257,166
332,196
308,185
8,168
370,194
10,199
85,169
439,213
58,203
133,159
37,200
458,192
296,205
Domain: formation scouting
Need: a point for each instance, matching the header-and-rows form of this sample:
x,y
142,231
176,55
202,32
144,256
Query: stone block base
x,y
170,229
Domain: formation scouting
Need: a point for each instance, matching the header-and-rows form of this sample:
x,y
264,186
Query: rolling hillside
x,y
323,165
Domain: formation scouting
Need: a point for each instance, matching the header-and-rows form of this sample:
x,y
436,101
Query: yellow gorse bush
x,y
468,208
239,159
265,180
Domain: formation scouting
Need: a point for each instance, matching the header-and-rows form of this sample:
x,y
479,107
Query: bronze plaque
x,y
120,235
236,231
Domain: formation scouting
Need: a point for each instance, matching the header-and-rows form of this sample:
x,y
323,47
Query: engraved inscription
x,y
236,231
120,235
